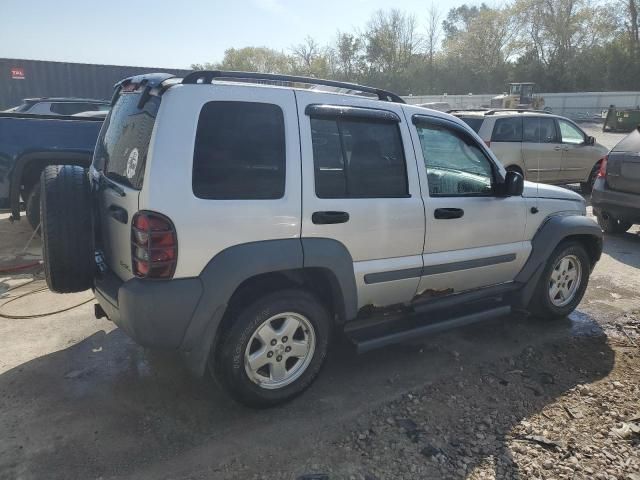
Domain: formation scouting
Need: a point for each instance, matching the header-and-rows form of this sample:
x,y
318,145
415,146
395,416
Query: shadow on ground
x,y
107,407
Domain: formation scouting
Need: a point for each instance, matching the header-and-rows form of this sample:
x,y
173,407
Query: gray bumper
x,y
154,313
621,205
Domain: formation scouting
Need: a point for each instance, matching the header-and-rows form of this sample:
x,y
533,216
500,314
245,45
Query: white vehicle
x,y
241,223
543,147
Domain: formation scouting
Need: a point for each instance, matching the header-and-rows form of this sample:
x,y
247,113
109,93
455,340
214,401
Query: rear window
x,y
71,108
121,151
630,143
239,152
474,122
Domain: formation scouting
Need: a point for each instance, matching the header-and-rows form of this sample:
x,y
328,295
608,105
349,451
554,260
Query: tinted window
x,y
456,165
239,152
358,159
507,130
69,108
570,133
539,130
123,143
474,122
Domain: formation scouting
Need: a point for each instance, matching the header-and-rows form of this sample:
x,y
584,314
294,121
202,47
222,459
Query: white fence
x,y
579,106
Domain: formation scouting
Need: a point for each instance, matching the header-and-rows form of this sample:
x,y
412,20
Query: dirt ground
x,y
510,398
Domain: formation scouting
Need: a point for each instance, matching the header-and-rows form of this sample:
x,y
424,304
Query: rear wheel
x,y
67,236
515,168
32,206
563,281
611,224
587,187
273,349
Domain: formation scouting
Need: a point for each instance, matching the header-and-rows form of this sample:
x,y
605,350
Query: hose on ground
x,y
35,315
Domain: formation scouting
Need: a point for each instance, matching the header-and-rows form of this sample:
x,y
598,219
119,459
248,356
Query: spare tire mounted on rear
x,y
67,234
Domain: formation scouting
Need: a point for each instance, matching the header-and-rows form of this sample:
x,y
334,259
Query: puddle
x,y
583,324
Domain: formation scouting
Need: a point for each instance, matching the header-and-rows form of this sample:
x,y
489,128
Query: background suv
x,y
543,147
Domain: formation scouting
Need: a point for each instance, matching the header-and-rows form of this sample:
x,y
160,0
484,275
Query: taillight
x,y
602,173
154,246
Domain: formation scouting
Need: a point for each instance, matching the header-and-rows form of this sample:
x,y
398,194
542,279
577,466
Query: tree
x,y
305,54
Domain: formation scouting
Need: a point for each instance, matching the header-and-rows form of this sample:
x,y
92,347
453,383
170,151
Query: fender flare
x,y
553,231
230,268
61,157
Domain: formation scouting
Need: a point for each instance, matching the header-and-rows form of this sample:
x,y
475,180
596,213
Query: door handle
x,y
329,218
558,148
119,214
448,213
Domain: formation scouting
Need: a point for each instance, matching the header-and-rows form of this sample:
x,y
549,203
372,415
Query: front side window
x,y
356,158
507,130
455,163
570,133
539,130
239,152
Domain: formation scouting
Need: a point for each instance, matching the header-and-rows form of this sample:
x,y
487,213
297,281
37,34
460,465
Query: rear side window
x,y
356,158
539,130
121,150
474,122
507,130
239,152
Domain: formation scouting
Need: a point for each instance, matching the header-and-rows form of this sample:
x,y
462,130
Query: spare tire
x,y
67,238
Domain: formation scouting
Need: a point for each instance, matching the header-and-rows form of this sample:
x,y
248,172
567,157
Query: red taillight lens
x,y
602,173
154,246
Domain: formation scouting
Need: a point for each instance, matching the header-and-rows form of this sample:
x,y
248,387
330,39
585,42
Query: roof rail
x,y
519,110
207,76
467,110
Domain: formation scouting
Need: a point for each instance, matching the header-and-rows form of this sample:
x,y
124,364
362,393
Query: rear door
x,y
360,187
541,149
120,158
623,165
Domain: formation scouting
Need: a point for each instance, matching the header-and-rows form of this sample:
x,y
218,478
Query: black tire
x,y
611,224
33,206
227,360
541,305
67,238
587,187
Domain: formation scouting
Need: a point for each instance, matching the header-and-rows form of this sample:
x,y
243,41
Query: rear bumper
x,y
625,206
153,313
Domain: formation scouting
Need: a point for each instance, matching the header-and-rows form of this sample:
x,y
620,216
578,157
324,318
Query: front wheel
x,y
563,282
273,349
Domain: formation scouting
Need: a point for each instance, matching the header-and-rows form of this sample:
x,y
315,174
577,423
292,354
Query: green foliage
x,y
562,45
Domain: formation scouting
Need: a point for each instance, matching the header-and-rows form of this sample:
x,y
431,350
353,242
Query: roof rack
x,y
519,110
467,110
207,76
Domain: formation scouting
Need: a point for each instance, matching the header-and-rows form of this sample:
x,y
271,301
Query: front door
x,y
361,188
474,238
541,149
577,156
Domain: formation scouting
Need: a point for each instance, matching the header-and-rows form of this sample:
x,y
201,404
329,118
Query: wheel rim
x,y
280,350
565,280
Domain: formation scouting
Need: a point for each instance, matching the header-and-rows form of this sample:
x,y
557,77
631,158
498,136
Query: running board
x,y
364,343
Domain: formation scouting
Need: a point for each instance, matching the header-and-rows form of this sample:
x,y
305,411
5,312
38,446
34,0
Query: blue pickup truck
x,y
30,142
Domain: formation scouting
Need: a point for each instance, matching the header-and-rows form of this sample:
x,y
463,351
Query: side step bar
x,y
366,344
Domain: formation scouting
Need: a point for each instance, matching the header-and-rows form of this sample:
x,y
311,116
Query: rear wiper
x,y
108,183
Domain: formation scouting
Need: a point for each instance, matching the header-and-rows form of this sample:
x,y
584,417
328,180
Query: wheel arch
x,y
553,231
232,277
29,166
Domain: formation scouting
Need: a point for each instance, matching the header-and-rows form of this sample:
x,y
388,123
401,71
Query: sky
x,y
177,34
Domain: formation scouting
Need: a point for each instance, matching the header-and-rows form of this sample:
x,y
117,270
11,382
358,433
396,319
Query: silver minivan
x,y
543,147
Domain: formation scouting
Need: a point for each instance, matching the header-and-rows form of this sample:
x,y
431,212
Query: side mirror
x,y
513,184
590,140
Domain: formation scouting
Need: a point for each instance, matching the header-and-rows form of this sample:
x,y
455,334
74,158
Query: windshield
x,y
474,122
123,144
